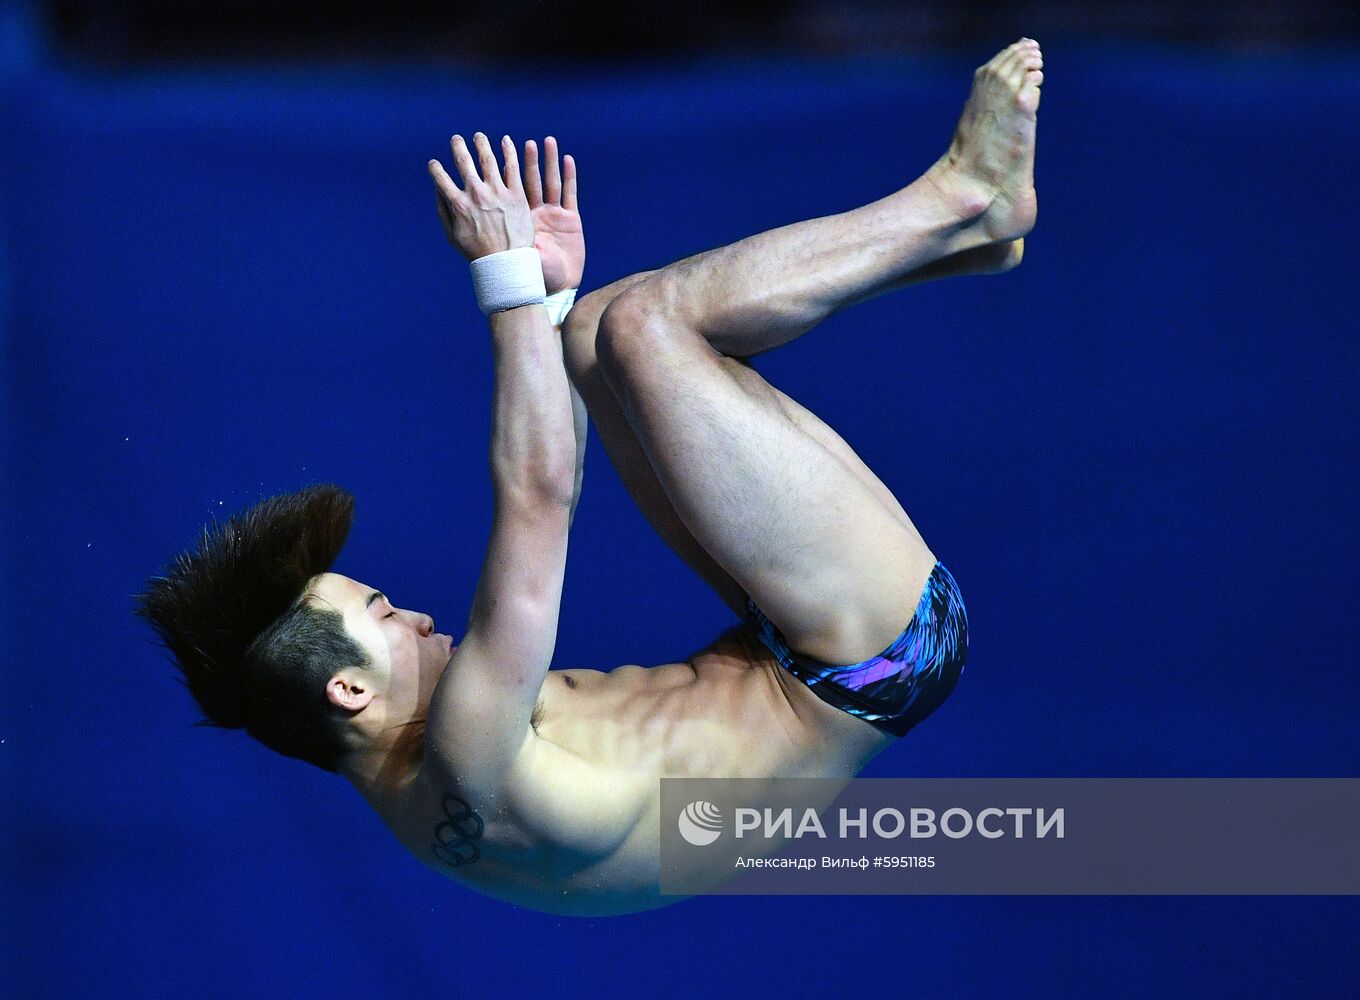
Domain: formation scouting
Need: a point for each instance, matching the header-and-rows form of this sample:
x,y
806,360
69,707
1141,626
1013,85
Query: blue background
x,y
1137,454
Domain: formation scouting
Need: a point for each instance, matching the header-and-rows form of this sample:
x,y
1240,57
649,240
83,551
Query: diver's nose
x,y
425,625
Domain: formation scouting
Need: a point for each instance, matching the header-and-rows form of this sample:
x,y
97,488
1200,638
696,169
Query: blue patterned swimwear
x,y
907,681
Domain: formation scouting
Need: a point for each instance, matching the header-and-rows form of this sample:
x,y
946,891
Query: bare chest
x,y
584,829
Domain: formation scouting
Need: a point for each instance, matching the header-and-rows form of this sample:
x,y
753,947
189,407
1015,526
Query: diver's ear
x,y
348,691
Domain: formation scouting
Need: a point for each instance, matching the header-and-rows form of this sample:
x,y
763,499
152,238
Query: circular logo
x,y
700,823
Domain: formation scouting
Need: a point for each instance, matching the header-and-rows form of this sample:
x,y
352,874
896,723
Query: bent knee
x,y
640,326
578,335
582,326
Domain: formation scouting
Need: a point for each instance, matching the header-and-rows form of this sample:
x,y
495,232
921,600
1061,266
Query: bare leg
x,y
768,491
770,288
627,456
626,453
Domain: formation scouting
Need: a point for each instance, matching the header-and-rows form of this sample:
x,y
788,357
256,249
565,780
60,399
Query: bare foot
x,y
988,172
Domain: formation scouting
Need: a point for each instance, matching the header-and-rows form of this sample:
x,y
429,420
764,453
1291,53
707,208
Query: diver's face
x,y
406,655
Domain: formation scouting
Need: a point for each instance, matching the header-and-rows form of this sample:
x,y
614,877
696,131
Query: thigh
x,y
770,492
623,449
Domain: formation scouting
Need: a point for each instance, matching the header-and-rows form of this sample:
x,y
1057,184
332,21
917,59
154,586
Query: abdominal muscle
x,y
722,714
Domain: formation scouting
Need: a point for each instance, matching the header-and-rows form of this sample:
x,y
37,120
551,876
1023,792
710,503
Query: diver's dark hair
x,y
230,610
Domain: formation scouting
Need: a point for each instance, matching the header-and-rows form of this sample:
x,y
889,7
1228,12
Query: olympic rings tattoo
x,y
455,834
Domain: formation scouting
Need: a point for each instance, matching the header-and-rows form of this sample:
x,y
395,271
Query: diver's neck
x,y
383,773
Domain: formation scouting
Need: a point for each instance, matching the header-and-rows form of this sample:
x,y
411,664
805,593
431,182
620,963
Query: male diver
x,y
541,787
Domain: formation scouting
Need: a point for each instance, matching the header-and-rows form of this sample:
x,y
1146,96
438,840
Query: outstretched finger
x,y
511,158
533,184
462,159
491,173
442,181
552,180
569,182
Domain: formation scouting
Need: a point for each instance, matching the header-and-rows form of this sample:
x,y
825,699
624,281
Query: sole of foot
x,y
988,172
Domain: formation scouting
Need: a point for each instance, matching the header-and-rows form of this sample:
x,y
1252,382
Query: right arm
x,y
478,734
479,715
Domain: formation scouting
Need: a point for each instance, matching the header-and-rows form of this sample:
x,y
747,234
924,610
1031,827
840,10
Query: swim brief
x,y
907,681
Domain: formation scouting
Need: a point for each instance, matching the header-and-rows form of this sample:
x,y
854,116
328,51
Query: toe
x,y
1028,96
1011,63
1010,58
1027,52
1004,56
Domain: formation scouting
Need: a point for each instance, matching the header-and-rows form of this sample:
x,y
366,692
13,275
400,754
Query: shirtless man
x,y
541,787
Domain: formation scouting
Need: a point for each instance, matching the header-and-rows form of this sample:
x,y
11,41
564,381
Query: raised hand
x,y
490,213
558,235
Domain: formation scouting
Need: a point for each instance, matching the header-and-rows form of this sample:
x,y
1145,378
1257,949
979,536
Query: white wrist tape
x,y
508,279
559,304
